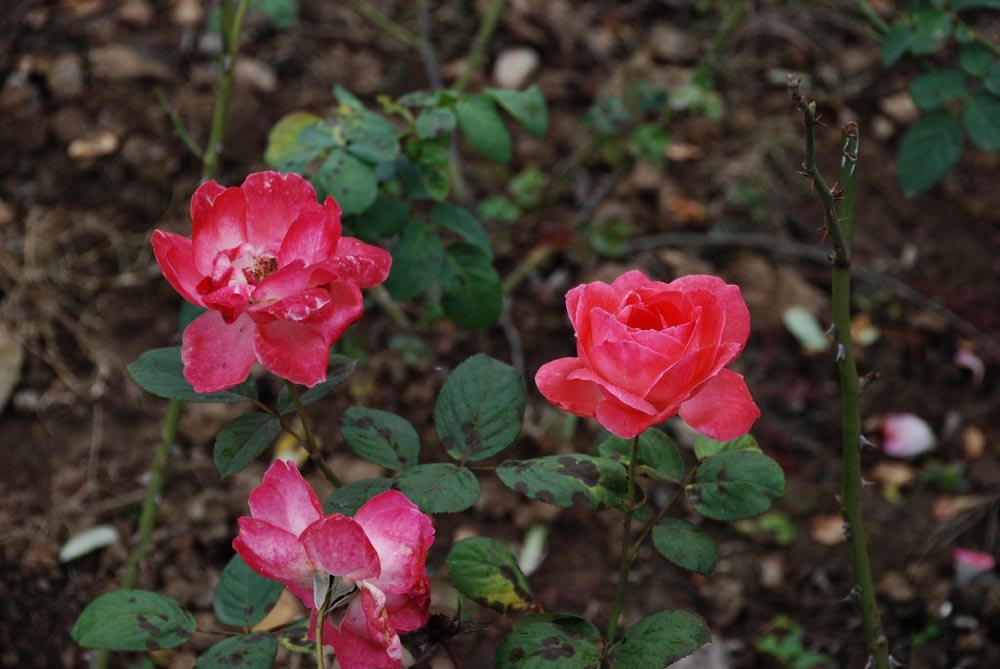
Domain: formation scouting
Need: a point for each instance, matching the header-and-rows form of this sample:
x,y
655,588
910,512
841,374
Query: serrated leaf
x,y
575,625
992,80
981,116
658,455
161,372
975,58
369,136
937,88
573,480
929,29
482,125
282,13
416,260
386,218
432,169
705,447
659,640
339,368
133,620
243,439
439,487
930,148
244,597
472,290
527,107
480,409
295,638
686,545
380,437
485,571
284,148
252,651
462,223
434,122
896,43
348,498
735,484
350,181
346,98
544,645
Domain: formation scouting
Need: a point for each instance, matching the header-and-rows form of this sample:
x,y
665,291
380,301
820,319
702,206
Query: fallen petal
x,y
905,435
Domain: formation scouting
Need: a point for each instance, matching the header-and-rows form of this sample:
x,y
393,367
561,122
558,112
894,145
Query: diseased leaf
x,y
244,597
937,88
133,620
285,150
251,651
416,259
686,545
485,571
350,497
439,487
705,447
568,480
243,439
161,372
350,181
930,148
544,645
659,640
339,368
472,289
735,484
381,437
574,624
434,122
658,455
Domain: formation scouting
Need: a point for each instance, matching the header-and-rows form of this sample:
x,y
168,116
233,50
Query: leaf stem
x,y
232,24
627,554
310,443
175,121
648,527
388,26
479,42
320,617
841,229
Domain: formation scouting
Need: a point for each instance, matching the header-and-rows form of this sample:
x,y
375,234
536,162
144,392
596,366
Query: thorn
x,y
853,596
846,529
832,330
865,482
893,662
836,192
882,641
816,121
870,663
863,442
867,379
841,353
831,257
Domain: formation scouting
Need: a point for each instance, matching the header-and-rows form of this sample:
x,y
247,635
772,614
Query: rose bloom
x,y
647,350
376,559
280,282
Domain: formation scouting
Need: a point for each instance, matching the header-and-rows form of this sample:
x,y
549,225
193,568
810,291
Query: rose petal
x,y
308,306
365,640
623,421
582,300
360,263
577,397
217,355
218,227
290,280
410,610
274,553
230,300
736,328
339,546
401,535
175,256
313,237
635,280
274,202
722,409
628,365
611,390
285,499
905,435
204,198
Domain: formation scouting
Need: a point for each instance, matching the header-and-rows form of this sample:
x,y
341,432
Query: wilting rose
x,y
376,559
280,282
647,350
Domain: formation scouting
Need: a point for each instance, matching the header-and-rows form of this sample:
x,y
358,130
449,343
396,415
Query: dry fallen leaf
x,y
946,508
895,475
828,530
287,609
973,442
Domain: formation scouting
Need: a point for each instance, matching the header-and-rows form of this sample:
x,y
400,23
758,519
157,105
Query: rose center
x,y
263,266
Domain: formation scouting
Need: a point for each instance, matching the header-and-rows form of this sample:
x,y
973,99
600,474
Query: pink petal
x,y
905,435
176,259
285,499
217,355
410,610
204,198
339,546
585,298
218,227
577,397
230,300
274,553
628,365
289,280
722,409
313,236
365,640
611,390
623,421
736,328
308,306
360,263
401,535
274,202
632,281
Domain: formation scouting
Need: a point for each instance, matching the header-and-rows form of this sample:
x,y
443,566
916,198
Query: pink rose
x,y
377,557
280,281
647,350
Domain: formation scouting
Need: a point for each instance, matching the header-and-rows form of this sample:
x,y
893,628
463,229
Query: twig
x,y
310,443
232,24
431,65
175,121
482,38
873,17
627,554
388,26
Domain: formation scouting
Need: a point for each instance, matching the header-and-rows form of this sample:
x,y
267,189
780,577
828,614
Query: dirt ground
x,y
89,166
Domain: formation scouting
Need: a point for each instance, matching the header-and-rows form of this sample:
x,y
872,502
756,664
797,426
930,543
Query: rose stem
x,y
479,42
840,227
310,443
320,615
388,26
232,25
627,554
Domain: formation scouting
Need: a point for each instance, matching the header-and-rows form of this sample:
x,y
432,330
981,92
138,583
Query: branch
x,y
486,28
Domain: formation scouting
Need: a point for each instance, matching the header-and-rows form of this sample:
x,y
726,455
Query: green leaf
x,y
381,437
930,148
462,223
346,98
929,29
568,480
735,484
351,182
527,186
295,638
962,5
992,80
432,168
773,526
416,260
472,288
480,408
575,625
386,218
527,107
806,329
283,13
244,597
253,651
339,369
439,487
284,148
545,645
659,640
658,455
161,372
975,58
498,208
937,88
434,122
981,116
686,545
896,43
243,439
369,136
133,620
706,447
485,571
482,125
348,498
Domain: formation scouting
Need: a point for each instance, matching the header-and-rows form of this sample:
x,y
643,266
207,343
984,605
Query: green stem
x,y
231,26
175,121
320,616
840,229
627,554
310,442
390,27
880,24
482,38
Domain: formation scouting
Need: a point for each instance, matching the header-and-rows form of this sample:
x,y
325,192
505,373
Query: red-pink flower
x,y
647,350
379,555
280,281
